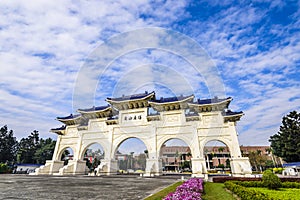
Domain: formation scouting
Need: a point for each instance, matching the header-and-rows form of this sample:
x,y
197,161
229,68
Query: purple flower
x,y
189,190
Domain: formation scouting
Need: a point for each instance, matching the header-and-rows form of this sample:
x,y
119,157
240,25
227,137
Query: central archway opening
x,y
176,156
217,157
131,156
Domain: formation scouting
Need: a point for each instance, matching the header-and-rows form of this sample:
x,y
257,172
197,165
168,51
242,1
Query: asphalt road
x,y
79,187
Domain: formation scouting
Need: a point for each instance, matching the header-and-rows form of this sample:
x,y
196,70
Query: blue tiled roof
x,y
98,108
211,101
131,97
191,114
59,129
171,99
71,116
229,113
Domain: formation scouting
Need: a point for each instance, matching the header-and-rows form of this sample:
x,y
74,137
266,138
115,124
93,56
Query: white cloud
x,y
44,43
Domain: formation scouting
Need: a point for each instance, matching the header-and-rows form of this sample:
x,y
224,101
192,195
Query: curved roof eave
x,y
178,101
228,100
128,100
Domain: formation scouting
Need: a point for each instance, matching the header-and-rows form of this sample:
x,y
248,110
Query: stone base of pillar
x,y
56,165
198,167
50,167
107,167
153,167
79,167
203,176
240,166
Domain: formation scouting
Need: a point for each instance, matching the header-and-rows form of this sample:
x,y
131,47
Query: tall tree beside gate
x,y
286,143
8,145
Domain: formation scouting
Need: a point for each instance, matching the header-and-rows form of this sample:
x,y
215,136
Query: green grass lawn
x,y
216,191
161,194
282,193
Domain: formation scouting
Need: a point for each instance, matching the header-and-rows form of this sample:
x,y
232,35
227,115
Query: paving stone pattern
x,y
79,187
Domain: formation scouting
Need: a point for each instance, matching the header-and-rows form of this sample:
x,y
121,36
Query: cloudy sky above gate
x,y
43,44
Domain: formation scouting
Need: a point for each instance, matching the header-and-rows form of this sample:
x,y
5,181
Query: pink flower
x,y
189,190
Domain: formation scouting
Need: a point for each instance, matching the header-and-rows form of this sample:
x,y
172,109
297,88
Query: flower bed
x,y
189,190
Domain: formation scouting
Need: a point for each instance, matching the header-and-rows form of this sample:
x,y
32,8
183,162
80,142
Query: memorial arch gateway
x,y
153,121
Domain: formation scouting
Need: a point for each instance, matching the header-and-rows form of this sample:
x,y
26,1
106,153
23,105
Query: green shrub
x,y
250,183
271,180
245,193
278,170
261,184
290,185
3,168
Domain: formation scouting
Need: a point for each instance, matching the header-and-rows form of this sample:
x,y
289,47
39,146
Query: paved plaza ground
x,y
80,187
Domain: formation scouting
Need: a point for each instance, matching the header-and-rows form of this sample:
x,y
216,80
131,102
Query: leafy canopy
x,y
286,143
8,145
35,150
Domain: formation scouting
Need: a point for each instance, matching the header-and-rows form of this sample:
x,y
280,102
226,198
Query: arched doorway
x,y
217,157
176,156
131,156
93,154
66,155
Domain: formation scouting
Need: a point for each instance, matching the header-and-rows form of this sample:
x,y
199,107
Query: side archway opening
x,y
176,156
131,156
217,157
66,155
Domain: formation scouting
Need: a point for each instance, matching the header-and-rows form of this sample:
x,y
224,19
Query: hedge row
x,y
249,183
223,179
288,179
260,184
246,193
290,185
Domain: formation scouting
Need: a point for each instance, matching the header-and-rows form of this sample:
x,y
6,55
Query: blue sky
x,y
43,44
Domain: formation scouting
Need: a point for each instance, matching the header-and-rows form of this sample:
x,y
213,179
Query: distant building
x,y
174,156
215,156
264,150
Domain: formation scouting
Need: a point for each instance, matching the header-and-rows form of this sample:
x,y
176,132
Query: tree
x,y
28,147
141,160
257,160
8,145
286,143
34,149
221,149
44,150
227,163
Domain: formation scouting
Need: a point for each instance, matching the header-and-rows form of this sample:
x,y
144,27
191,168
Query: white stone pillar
x,y
57,149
